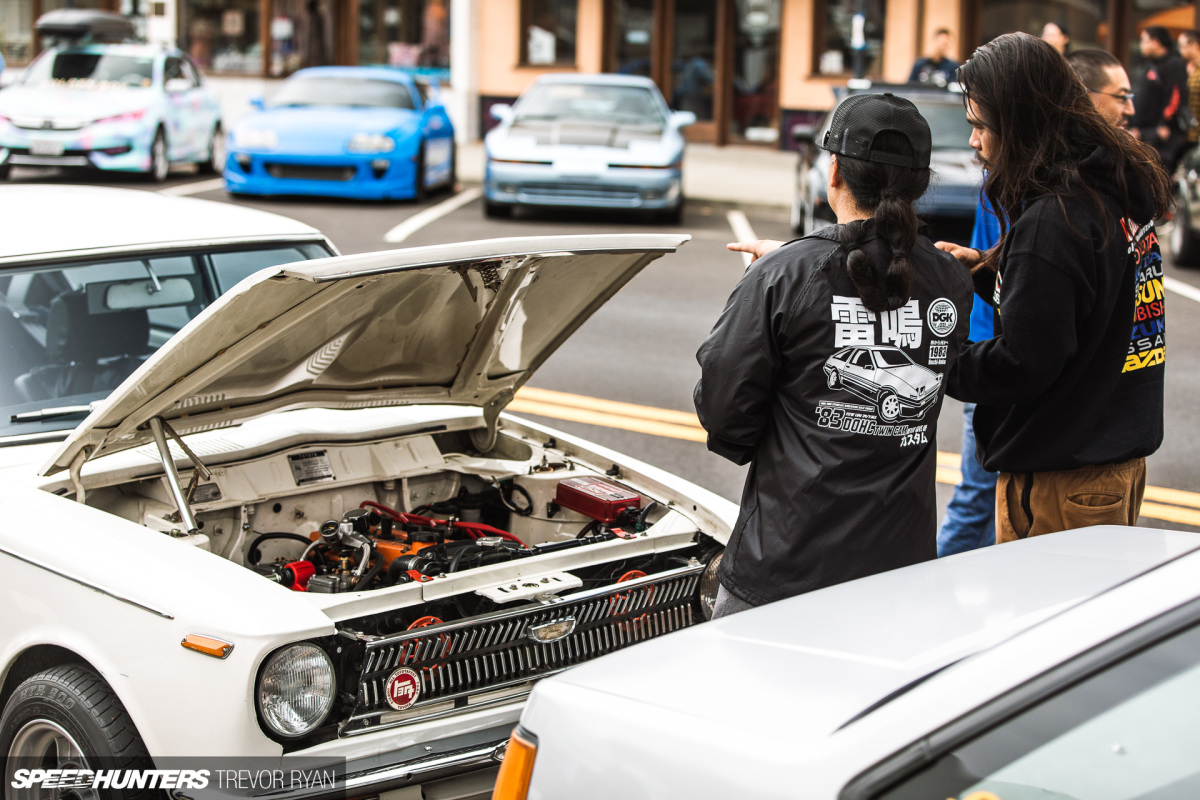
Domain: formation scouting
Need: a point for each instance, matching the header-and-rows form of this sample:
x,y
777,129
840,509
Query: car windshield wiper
x,y
50,413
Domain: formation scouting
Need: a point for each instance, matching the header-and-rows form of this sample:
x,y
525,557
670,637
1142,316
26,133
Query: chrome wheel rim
x,y
42,744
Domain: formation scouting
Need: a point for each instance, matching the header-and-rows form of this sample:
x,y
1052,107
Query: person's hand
x,y
1163,132
967,256
757,249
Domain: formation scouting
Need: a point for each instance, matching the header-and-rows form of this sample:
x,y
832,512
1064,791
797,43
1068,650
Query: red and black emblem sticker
x,y
402,689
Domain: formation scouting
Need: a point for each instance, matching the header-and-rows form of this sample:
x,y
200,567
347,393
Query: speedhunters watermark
x,y
198,779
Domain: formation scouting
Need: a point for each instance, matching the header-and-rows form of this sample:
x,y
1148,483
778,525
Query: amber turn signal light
x,y
517,768
207,645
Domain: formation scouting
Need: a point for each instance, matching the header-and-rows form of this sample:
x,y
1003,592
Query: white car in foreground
x,y
303,527
1064,667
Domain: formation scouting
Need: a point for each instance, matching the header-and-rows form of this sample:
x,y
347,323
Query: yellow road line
x,y
1170,505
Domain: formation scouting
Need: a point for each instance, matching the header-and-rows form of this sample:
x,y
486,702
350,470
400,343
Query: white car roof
x,y
47,220
795,671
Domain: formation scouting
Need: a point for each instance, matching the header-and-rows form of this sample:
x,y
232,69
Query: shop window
x,y
548,29
1087,23
835,51
756,71
301,35
404,33
16,31
222,35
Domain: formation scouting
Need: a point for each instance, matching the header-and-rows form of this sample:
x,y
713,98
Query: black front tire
x,y
69,716
673,216
420,190
216,152
496,210
1185,244
5,171
160,164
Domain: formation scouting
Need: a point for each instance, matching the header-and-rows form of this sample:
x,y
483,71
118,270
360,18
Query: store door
x,y
715,58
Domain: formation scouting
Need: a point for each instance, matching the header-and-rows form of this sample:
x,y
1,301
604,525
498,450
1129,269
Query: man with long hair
x,y
826,372
1070,391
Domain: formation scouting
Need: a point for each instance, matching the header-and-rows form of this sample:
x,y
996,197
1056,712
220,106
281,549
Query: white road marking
x,y
423,218
742,231
199,187
1179,287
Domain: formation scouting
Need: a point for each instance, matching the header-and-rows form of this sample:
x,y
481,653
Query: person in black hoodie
x,y
1161,96
1070,391
827,369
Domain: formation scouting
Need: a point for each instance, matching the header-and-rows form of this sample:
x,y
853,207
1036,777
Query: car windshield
x,y
583,101
352,92
1128,732
893,358
87,69
947,124
73,333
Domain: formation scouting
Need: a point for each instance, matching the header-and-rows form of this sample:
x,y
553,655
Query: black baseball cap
x,y
862,117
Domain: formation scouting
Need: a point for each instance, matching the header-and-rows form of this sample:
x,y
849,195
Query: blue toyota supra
x,y
359,132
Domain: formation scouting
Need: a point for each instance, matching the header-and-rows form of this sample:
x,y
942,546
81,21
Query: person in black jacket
x,y
1161,100
826,373
1070,391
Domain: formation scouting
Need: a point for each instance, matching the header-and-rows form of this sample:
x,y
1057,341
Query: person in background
x,y
1070,389
1056,35
1189,49
937,68
826,372
1161,89
971,514
1107,84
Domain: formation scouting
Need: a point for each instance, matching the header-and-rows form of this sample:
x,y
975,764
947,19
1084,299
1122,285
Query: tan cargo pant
x,y
1033,503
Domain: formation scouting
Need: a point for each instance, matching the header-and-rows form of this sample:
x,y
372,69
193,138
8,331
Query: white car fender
x,y
145,588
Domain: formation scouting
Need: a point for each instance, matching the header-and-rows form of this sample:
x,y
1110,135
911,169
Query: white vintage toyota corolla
x,y
303,527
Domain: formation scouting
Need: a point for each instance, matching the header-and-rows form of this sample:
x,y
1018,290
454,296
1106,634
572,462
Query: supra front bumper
x,y
368,176
616,188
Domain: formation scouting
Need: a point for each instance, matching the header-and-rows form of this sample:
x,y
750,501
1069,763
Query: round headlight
x,y
295,691
709,584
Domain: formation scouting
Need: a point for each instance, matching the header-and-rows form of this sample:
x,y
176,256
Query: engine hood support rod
x,y
161,429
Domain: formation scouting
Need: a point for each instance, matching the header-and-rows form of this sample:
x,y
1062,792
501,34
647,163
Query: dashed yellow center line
x,y
1170,505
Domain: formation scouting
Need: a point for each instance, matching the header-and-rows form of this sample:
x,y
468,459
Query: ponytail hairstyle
x,y
888,191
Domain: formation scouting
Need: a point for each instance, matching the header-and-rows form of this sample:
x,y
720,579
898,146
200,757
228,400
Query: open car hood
x,y
463,323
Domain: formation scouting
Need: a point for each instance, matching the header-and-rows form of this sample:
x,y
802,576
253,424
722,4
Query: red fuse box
x,y
595,498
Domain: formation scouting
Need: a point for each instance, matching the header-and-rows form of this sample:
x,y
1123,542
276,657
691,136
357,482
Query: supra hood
x,y
464,323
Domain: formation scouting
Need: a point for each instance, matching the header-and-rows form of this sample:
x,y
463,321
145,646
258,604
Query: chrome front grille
x,y
495,654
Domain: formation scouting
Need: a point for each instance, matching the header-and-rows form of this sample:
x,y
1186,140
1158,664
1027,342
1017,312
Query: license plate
x,y
43,147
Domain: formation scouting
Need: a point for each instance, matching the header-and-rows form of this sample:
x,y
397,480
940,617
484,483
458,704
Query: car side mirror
x,y
870,367
501,111
177,85
681,119
257,102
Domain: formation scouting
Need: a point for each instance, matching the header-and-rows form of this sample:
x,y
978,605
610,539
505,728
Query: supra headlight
x,y
371,143
296,689
255,138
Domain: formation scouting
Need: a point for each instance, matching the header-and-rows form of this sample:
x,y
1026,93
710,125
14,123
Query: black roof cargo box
x,y
82,23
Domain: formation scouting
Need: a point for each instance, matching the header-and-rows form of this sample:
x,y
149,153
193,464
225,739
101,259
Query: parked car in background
x,y
1185,233
122,107
594,141
84,302
365,132
1061,667
954,190
308,509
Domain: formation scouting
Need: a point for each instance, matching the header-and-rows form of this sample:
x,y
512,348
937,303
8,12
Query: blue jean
x,y
970,520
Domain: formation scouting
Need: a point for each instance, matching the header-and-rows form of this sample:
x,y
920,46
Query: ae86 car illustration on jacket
x,y
886,376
